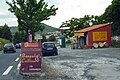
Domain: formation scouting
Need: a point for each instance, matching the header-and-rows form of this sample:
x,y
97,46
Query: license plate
x,y
49,48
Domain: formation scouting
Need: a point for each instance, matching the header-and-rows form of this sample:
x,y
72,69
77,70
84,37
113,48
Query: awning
x,y
78,34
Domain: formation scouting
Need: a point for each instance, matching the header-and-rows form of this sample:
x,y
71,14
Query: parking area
x,y
86,64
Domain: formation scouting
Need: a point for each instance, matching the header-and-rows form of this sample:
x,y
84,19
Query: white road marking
x,y
17,59
8,70
18,67
20,55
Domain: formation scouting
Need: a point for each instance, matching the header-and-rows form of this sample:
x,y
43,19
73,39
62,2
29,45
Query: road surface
x,y
78,64
8,65
89,64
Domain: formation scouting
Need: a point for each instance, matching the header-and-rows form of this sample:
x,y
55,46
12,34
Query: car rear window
x,y
49,45
9,45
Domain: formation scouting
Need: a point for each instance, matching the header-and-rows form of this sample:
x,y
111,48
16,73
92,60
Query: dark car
x,y
9,48
49,49
18,45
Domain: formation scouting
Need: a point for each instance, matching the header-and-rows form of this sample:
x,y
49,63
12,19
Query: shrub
x,y
116,43
2,42
68,43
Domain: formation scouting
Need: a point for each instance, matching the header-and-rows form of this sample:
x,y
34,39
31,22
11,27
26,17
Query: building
x,y
94,36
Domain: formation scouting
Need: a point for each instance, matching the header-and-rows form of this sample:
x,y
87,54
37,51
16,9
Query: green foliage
x,y
47,29
23,37
17,38
80,23
5,32
116,43
52,38
20,36
68,42
44,38
112,15
1,31
2,42
30,14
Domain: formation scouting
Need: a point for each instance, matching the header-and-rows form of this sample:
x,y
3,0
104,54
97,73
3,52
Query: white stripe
x,y
8,70
17,59
18,67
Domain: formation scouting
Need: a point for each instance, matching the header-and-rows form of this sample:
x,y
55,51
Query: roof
x,y
48,42
92,28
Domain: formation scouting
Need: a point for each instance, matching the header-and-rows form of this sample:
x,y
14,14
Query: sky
x,y
67,9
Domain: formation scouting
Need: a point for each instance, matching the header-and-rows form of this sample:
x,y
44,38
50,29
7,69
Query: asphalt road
x,y
79,64
86,64
8,65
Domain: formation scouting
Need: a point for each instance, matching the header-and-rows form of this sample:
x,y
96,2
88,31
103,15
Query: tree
x,y
44,38
80,23
73,24
0,31
6,33
22,36
16,38
19,37
112,15
52,38
30,13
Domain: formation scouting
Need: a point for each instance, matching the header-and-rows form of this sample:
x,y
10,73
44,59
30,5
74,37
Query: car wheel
x,y
4,51
55,53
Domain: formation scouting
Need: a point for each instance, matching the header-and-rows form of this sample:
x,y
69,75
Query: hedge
x,y
2,42
116,44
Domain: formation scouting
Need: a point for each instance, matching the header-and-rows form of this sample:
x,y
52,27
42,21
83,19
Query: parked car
x,y
9,48
49,49
18,45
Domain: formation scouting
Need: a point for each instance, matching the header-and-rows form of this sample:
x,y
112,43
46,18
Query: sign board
x,y
30,57
38,36
79,34
100,36
60,41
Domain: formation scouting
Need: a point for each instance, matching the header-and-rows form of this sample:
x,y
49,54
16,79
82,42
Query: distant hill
x,y
48,28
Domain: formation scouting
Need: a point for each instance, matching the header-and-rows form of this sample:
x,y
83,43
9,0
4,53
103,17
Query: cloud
x,y
8,21
68,9
1,13
6,16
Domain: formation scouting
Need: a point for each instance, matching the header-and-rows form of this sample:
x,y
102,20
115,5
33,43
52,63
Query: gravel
x,y
91,64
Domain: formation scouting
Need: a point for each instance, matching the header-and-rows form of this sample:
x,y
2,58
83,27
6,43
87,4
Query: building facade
x,y
94,36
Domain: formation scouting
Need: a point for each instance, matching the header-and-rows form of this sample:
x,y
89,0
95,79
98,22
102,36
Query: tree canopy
x,y
30,13
5,32
52,38
112,15
80,23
